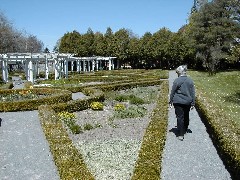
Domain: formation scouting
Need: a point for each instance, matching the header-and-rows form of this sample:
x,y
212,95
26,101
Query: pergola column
x,y
97,65
78,66
88,64
35,70
4,70
112,64
72,65
84,66
93,65
66,68
46,68
56,66
30,70
109,64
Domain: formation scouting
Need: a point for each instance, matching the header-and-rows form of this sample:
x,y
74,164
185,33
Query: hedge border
x,y
148,165
57,95
68,160
223,132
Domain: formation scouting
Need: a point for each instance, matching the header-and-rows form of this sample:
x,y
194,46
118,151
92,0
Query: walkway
x,y
24,151
193,158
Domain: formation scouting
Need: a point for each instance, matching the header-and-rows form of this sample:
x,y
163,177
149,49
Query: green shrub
x,y
67,118
98,125
132,98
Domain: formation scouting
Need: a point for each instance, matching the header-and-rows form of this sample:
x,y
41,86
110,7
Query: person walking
x,y
182,97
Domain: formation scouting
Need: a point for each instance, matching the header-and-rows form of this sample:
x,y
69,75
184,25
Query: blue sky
x,y
50,19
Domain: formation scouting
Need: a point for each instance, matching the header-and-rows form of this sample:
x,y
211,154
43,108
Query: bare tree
x,y
12,40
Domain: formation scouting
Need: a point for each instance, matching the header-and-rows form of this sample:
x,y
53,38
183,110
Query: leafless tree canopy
x,y
13,40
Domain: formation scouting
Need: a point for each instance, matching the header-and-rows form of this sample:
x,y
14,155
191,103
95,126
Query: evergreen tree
x,y
214,31
70,42
121,45
109,40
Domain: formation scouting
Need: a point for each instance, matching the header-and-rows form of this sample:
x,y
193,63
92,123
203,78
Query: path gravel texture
x,y
24,151
193,158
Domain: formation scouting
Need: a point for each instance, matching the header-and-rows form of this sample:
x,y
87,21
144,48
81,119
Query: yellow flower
x,y
96,106
119,107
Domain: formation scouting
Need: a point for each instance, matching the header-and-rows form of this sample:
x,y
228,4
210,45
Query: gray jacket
x,y
183,91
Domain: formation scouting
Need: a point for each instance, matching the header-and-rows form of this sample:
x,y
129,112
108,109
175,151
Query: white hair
x,y
182,69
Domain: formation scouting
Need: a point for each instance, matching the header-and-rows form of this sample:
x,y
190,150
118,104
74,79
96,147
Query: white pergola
x,y
59,62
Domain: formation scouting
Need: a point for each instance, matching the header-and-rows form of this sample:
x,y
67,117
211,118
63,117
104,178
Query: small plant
x,y
131,112
121,98
136,100
96,106
132,98
69,119
88,126
98,125
119,107
111,122
76,129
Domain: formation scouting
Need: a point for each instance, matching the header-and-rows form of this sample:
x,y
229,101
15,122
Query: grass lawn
x,y
223,90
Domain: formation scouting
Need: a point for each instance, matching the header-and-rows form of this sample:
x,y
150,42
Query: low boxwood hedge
x,y
68,160
8,85
223,131
53,96
148,165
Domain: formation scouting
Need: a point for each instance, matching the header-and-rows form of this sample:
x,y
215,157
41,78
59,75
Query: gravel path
x,y
24,151
193,158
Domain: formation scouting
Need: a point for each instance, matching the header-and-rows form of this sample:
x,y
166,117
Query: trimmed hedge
x,y
148,165
79,88
68,160
97,95
223,131
8,85
55,96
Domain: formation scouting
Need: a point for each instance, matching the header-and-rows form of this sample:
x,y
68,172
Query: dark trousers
x,y
182,113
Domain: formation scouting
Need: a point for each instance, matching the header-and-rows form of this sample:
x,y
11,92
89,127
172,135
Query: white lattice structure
x,y
59,63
